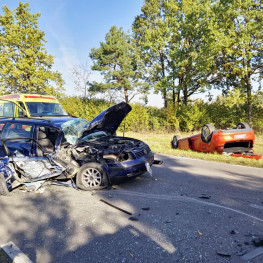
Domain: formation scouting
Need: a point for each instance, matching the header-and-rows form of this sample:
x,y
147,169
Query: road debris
x,y
40,191
146,208
60,183
223,253
157,162
258,241
252,254
204,196
34,186
132,218
116,207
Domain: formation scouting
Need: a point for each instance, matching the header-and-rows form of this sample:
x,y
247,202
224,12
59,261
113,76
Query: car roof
x,y
57,122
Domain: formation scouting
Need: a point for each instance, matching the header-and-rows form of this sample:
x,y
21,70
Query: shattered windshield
x,y
45,109
94,136
72,129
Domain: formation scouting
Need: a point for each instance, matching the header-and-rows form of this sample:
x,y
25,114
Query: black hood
x,y
109,120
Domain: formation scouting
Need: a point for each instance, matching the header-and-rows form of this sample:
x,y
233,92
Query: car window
x,y
51,133
45,109
17,137
17,130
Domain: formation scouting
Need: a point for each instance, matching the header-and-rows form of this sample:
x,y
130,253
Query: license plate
x,y
148,168
240,136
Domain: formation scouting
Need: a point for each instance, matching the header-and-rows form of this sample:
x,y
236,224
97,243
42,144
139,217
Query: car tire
x,y
207,132
3,187
91,176
174,142
243,125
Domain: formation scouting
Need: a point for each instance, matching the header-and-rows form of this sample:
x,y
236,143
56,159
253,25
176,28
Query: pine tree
x,y
117,60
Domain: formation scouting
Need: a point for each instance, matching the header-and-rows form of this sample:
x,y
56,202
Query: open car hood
x,y
108,120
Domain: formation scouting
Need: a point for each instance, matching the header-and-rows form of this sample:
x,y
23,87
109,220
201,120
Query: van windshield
x,y
45,109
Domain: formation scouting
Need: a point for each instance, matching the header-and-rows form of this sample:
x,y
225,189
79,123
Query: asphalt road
x,y
189,211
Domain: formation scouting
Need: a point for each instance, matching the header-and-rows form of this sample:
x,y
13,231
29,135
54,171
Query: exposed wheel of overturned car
x,y
207,132
3,187
91,176
174,142
243,125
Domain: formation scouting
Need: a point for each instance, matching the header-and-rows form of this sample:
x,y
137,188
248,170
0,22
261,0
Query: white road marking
x,y
15,253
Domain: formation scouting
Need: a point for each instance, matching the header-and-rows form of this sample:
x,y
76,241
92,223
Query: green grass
x,y
160,143
4,258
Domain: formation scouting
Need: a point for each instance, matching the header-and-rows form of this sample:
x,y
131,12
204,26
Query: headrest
x,y
41,135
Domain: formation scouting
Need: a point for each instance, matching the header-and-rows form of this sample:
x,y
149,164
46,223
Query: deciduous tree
x,y
25,65
240,34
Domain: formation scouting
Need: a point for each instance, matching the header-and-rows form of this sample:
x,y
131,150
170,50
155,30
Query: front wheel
x,y
3,187
207,132
91,176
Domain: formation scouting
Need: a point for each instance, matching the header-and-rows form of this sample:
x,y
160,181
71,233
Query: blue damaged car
x,y
89,153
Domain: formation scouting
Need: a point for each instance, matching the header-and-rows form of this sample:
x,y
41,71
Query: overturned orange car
x,y
238,141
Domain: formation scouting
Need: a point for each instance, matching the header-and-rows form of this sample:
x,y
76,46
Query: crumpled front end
x,y
8,171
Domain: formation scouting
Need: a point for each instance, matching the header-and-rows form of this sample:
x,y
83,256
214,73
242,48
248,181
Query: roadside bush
x,y
227,111
137,119
192,116
172,121
223,113
157,119
83,108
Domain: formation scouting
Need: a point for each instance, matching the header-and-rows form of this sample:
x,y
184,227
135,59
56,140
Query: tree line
x,y
225,112
176,48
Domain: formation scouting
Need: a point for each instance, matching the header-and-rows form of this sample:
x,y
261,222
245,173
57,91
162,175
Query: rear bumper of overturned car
x,y
132,167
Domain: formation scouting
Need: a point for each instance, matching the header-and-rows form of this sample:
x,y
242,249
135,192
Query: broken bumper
x,y
130,168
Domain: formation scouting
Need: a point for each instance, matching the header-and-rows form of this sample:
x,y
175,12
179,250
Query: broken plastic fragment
x,y
146,208
34,186
205,196
258,241
252,254
132,218
223,253
40,191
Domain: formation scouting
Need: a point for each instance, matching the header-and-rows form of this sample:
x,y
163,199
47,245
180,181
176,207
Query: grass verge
x,y
4,258
160,143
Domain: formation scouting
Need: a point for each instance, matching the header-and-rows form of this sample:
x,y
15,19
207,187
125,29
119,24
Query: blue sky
x,y
73,27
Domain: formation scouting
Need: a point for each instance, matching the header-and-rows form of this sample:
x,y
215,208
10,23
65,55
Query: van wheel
x,y
3,187
207,132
